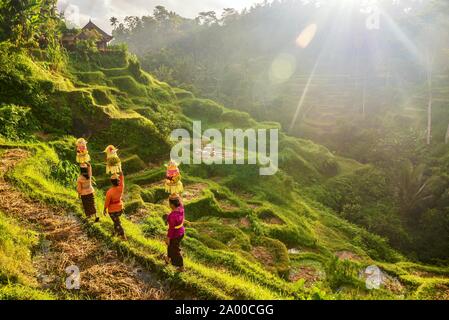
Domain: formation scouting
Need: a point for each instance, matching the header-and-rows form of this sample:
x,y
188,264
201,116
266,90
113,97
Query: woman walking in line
x,y
114,203
86,191
175,232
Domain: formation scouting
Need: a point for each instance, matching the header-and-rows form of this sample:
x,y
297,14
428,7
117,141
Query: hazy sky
x,y
79,11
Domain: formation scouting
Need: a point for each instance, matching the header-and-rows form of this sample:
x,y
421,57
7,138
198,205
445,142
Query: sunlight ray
x,y
339,24
402,37
304,95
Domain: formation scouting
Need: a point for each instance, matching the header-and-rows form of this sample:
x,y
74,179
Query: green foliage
x,y
363,186
86,61
20,292
19,74
15,76
297,166
140,133
116,57
246,178
165,120
133,164
147,177
230,236
207,240
136,71
329,167
101,97
281,261
266,214
375,246
16,122
292,235
237,118
161,93
367,196
183,94
413,187
154,226
134,201
129,85
202,109
26,21
342,273
116,72
54,117
56,55
204,206
310,157
64,147
133,205
87,46
153,195
16,246
256,226
92,77
432,290
73,112
66,172
432,227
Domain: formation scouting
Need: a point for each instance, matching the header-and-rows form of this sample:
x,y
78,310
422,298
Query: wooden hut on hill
x,y
89,31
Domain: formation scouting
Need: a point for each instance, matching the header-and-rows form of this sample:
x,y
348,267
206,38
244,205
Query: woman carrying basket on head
x,y
175,233
86,191
114,204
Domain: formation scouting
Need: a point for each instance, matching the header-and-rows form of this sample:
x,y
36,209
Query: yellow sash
x,y
180,226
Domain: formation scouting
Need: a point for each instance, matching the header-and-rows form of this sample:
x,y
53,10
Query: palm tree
x,y
113,21
412,187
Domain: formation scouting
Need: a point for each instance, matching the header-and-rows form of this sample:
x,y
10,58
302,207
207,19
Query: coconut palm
x,y
412,187
113,21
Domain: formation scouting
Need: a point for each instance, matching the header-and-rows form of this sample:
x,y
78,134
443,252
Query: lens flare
x,y
306,36
282,68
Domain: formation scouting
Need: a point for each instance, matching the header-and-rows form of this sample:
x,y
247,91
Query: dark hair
x,y
175,202
84,172
115,182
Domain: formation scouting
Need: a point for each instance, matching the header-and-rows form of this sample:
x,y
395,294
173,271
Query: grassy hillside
x,y
17,274
248,236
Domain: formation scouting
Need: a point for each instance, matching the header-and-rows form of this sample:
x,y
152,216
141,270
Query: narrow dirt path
x,y
103,274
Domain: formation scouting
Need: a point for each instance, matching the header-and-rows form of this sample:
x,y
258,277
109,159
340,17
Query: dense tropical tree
x,y
22,21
